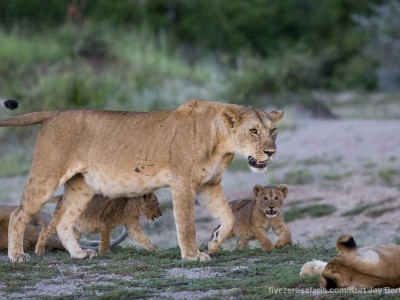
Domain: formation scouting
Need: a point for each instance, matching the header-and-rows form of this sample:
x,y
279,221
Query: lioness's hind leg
x,y
77,194
36,194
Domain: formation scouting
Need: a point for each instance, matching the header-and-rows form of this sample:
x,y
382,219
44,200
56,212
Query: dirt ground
x,y
350,164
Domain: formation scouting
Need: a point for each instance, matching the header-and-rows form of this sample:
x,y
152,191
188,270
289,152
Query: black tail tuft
x,y
349,243
11,104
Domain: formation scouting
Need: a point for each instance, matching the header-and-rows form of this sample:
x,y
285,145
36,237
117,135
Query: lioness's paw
x,y
201,256
89,254
19,257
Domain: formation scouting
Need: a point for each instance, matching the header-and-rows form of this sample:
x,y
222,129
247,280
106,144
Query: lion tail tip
x,y
10,104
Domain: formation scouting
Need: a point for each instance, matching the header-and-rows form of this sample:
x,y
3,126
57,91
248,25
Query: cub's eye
x,y
276,198
265,198
253,131
272,131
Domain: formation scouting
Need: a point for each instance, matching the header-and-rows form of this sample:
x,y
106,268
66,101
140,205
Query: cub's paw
x,y
17,258
201,256
212,247
89,254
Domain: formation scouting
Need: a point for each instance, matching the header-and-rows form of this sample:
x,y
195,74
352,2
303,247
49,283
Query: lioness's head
x,y
254,134
270,198
149,207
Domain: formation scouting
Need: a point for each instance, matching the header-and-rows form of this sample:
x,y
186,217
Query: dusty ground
x,y
344,163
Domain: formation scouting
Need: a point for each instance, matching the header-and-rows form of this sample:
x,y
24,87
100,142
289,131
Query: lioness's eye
x,y
272,131
253,131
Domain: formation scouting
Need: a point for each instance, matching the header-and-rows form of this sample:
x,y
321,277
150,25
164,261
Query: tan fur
x,y
314,267
103,214
253,218
125,154
32,231
367,267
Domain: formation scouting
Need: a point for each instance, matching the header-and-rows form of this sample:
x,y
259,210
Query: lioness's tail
x,y
27,119
9,104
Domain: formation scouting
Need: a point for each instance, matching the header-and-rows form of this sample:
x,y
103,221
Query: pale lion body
x,y
103,214
124,154
253,218
367,267
32,230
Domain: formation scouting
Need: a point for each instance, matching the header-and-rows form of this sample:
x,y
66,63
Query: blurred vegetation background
x,y
154,54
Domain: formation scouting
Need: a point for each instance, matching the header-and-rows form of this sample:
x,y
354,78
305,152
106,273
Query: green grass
x,y
312,210
363,208
130,273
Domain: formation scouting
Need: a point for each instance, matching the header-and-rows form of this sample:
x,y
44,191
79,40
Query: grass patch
x,y
131,273
313,210
380,212
361,209
298,177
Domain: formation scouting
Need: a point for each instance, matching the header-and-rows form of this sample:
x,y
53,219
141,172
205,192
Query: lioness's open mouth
x,y
257,164
270,213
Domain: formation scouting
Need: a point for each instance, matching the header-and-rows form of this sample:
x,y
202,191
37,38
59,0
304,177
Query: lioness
x,y
103,214
253,218
125,154
367,267
9,104
361,268
32,230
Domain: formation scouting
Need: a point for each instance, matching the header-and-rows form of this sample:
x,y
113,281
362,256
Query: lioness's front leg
x,y
183,202
216,203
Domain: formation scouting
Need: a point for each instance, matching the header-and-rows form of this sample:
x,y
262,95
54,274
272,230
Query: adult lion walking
x,y
129,154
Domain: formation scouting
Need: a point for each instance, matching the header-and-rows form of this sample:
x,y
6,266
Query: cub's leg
x,y
47,232
216,203
77,195
241,243
137,233
37,192
183,202
261,236
105,234
285,237
215,235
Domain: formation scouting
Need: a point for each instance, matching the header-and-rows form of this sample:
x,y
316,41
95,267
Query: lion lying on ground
x,y
32,231
253,218
102,215
367,267
127,154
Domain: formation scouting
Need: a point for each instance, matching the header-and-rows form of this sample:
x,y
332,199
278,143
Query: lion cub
x,y
103,214
253,218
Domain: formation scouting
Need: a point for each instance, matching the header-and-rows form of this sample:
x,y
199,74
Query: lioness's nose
x,y
270,152
271,207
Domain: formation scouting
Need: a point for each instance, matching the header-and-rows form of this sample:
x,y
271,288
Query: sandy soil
x,y
344,163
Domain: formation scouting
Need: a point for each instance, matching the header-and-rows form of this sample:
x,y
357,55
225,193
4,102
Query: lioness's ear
x,y
256,189
345,243
276,116
283,188
231,117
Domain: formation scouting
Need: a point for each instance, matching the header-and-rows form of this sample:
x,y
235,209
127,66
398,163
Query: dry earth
x,y
348,164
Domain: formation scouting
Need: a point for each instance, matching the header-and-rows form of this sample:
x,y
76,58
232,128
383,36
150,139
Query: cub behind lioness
x,y
102,214
253,218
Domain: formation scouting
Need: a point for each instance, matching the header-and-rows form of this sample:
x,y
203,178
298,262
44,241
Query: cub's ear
x,y
283,188
257,189
276,116
231,117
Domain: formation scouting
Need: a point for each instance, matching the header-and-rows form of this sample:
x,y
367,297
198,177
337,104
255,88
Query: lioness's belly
x,y
122,184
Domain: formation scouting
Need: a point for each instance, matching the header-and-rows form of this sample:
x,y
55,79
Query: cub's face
x,y
254,135
149,207
270,198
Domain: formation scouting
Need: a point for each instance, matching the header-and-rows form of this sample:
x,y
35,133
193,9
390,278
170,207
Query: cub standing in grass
x,y
102,214
253,218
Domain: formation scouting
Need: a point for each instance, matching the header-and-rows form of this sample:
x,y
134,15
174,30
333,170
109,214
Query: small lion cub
x,y
253,218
